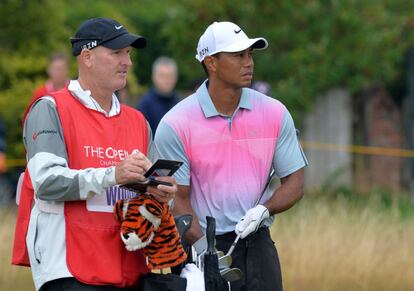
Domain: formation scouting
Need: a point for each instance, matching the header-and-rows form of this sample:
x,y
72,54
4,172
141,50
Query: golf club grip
x,y
210,233
183,223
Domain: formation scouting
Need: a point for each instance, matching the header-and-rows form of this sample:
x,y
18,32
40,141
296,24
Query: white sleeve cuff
x,y
95,181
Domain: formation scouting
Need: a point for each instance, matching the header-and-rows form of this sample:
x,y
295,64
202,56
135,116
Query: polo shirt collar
x,y
85,97
207,104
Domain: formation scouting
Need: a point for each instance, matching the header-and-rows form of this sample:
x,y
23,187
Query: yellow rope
x,y
13,163
311,145
358,149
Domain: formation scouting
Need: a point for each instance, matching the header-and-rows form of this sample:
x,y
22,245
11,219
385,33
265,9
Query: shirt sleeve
x,y
169,146
289,156
51,177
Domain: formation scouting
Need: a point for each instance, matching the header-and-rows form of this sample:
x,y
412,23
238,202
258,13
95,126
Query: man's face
x,y
235,69
110,67
164,78
58,71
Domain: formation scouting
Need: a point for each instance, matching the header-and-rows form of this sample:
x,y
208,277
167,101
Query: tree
x,y
25,42
313,45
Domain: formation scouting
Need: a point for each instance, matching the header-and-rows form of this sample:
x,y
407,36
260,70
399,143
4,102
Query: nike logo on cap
x,y
118,27
237,31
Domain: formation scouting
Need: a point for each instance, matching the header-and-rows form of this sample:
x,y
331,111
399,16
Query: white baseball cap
x,y
226,37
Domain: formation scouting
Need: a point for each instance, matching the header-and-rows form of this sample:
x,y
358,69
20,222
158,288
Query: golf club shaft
x,y
233,245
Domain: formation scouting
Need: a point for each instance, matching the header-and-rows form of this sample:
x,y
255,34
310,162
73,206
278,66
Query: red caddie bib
x,y
95,253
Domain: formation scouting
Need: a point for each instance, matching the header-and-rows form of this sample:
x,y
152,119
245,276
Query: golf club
x,y
231,274
224,261
233,245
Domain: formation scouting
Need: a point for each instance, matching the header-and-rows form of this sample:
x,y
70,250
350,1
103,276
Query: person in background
x,y
161,97
262,87
58,76
3,164
123,95
5,189
230,137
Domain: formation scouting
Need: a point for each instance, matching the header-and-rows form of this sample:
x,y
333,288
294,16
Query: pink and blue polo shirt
x,y
227,159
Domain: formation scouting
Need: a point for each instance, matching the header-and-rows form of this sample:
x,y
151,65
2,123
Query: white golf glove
x,y
251,221
194,276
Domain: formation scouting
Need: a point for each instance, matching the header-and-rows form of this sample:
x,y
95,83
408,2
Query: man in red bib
x,y
81,144
57,72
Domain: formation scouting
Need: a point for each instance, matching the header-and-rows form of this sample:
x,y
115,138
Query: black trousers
x,y
257,257
71,284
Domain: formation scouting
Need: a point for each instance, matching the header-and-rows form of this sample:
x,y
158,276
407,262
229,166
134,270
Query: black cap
x,y
106,32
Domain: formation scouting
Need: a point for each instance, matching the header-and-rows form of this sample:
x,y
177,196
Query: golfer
x,y
230,138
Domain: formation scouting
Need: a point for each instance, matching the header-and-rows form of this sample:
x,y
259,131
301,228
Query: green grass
x,y
327,242
347,242
11,277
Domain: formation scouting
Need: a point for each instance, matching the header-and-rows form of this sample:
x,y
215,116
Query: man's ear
x,y
210,63
86,57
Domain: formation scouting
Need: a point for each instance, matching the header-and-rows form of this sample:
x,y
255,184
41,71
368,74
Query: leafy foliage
x,y
313,45
30,30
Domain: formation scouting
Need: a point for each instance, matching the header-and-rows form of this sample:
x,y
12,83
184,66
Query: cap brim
x,y
255,43
125,40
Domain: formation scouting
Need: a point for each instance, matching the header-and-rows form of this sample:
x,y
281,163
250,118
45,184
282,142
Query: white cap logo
x,y
226,37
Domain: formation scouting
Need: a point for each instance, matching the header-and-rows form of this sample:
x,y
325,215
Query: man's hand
x,y
132,169
164,193
251,221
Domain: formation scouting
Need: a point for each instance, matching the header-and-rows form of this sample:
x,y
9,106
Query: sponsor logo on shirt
x,y
45,131
252,133
108,155
115,193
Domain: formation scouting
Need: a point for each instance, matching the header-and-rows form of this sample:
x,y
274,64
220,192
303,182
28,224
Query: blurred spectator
x,y
123,94
58,74
3,165
6,192
262,87
161,97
